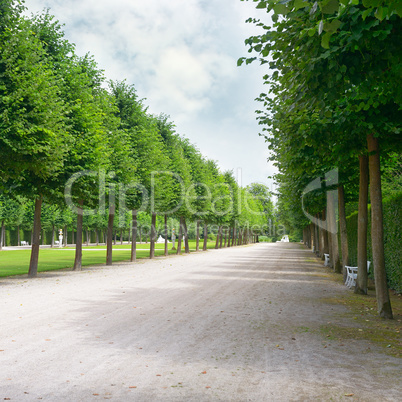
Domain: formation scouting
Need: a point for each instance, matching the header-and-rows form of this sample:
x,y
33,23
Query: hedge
x,y
392,208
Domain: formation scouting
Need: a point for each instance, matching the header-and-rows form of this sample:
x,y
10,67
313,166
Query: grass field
x,y
16,262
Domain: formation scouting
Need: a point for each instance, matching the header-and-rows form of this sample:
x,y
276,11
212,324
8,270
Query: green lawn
x,y
16,262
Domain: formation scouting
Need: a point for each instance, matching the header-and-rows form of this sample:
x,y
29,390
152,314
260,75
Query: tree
x,y
33,137
330,58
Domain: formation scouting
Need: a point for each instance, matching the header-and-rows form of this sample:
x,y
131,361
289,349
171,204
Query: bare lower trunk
x,y
52,241
313,237
234,235
377,230
2,232
217,238
166,237
229,236
134,236
178,251
97,237
87,236
121,236
332,205
226,238
33,264
78,246
361,282
18,236
342,227
65,236
204,247
220,236
109,239
186,245
153,236
197,240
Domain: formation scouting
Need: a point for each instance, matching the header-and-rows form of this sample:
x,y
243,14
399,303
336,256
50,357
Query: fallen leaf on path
x,y
207,386
95,394
349,394
204,372
134,386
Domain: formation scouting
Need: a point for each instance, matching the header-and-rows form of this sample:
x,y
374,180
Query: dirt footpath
x,y
237,324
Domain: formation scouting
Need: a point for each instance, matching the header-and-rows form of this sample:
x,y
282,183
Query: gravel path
x,y
237,324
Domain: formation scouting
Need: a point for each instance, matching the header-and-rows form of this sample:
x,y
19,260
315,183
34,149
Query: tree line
x,y
333,103
84,148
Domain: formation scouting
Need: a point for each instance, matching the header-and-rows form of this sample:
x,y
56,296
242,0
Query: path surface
x,y
226,325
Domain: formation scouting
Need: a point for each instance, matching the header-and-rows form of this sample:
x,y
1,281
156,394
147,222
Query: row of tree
x,y
333,103
71,139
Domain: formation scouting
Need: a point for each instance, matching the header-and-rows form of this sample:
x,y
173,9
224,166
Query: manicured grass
x,y
16,262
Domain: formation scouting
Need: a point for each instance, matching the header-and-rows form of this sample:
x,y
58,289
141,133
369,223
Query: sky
x,y
181,56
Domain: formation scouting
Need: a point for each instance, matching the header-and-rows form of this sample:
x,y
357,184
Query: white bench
x,y
24,243
57,243
326,262
352,275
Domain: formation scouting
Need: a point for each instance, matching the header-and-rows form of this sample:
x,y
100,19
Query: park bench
x,y
24,243
326,262
352,275
57,243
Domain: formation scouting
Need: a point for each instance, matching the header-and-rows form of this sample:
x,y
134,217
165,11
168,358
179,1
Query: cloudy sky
x,y
181,56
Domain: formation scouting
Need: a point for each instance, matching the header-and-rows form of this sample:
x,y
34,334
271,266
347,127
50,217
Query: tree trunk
x,y
186,245
226,238
178,251
52,242
336,264
317,237
153,236
362,279
134,236
18,236
97,237
115,237
121,236
87,236
233,235
166,237
109,240
377,230
204,247
220,236
229,236
217,239
197,240
3,229
342,227
78,246
33,264
65,236
313,237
